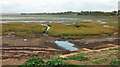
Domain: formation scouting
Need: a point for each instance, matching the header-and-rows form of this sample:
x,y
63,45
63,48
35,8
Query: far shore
x,y
50,16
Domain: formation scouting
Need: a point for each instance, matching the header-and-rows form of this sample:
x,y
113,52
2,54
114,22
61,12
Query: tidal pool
x,y
66,45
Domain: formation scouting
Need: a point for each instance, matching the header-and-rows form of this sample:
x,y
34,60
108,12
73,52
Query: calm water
x,y
58,19
66,45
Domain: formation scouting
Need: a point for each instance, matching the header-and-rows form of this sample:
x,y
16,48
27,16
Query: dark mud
x,y
92,43
28,52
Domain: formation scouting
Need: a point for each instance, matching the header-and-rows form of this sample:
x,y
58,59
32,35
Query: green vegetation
x,y
99,61
79,58
95,58
113,49
82,54
29,35
56,62
38,62
98,57
112,24
114,62
34,62
78,30
111,55
82,59
22,29
75,31
103,50
95,52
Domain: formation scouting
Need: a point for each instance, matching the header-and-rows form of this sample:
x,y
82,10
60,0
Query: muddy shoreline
x,y
92,43
48,41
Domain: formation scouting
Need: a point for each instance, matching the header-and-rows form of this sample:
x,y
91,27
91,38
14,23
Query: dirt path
x,y
85,50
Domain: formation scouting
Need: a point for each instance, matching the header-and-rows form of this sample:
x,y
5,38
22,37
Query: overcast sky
x,y
40,6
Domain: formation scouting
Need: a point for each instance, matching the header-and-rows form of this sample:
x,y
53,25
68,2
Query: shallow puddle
x,y
66,45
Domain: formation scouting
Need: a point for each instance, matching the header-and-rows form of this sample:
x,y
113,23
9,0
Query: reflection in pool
x,y
66,45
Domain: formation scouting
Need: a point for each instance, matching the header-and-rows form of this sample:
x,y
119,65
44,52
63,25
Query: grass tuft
x,y
99,61
79,58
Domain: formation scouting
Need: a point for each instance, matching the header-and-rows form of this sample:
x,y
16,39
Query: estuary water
x,y
67,20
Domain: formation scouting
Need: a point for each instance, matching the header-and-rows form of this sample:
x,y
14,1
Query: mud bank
x,y
92,42
89,43
48,41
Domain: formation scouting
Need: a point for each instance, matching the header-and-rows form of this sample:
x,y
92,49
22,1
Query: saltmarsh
x,y
22,29
78,30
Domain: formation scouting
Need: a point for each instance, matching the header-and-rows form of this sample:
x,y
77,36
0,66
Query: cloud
x,y
17,6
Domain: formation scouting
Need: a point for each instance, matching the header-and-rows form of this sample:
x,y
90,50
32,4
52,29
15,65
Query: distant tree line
x,y
113,13
59,13
118,12
94,13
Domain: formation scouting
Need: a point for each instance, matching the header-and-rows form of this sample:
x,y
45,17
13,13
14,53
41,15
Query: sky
x,y
49,6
